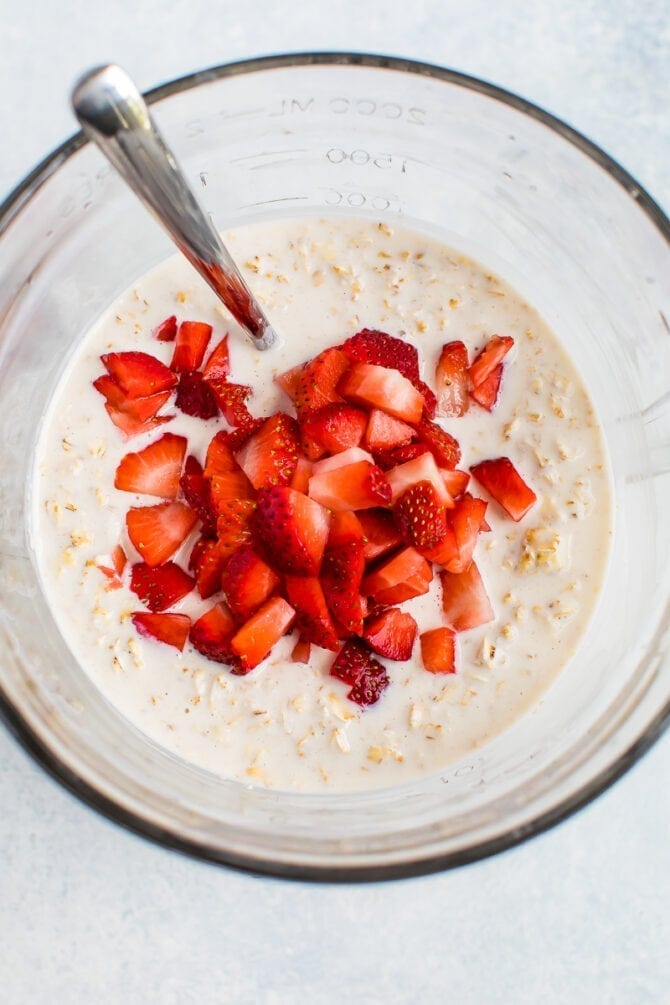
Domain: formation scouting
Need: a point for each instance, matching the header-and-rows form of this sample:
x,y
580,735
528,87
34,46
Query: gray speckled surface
x,y
89,912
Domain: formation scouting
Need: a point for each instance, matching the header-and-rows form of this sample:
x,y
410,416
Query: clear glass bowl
x,y
494,176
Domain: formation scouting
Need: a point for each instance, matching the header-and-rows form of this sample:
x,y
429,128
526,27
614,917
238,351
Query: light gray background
x,y
90,913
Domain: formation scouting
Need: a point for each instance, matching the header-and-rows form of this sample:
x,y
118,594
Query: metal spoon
x,y
113,114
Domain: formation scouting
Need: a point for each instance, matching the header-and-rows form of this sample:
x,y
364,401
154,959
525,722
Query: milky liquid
x,y
287,725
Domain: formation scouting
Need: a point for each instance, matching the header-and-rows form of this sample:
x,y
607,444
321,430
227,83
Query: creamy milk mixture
x,y
287,725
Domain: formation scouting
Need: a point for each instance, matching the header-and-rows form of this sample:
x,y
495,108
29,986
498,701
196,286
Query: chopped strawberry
x,y
112,566
466,522
138,374
247,581
420,516
438,650
195,396
456,482
381,533
342,572
190,346
211,634
236,438
377,387
398,578
301,475
489,358
158,531
341,460
421,469
369,346
331,429
234,524
356,486
131,415
391,634
502,481
465,600
217,366
344,528
292,528
130,425
486,393
301,651
445,552
231,399
197,493
443,446
167,330
315,384
383,432
208,560
288,381
229,487
270,456
172,629
160,587
367,677
155,470
258,635
312,616
387,459
220,459
452,380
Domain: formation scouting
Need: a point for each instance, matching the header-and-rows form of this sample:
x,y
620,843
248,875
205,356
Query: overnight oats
x,y
340,563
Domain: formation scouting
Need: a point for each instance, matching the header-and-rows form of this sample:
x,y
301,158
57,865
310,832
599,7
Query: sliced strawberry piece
x,y
387,459
138,374
342,572
315,385
344,528
247,581
312,616
341,460
456,482
190,346
391,634
160,587
301,651
112,566
288,381
438,650
231,399
446,552
489,358
383,432
230,487
270,456
197,492
377,387
466,522
127,422
399,578
301,475
452,380
356,486
486,393
172,629
195,396
443,446
208,561
381,533
465,600
158,531
368,678
236,438
331,429
253,642
167,330
220,458
234,524
211,634
217,366
131,415
420,516
370,346
502,481
421,469
155,470
292,528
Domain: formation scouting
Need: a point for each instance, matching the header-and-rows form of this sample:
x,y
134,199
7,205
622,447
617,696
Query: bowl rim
x,y
10,209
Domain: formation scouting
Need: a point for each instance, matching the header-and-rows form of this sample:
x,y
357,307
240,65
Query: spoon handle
x,y
113,114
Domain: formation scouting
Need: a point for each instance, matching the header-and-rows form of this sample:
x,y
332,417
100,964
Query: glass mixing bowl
x,y
492,175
